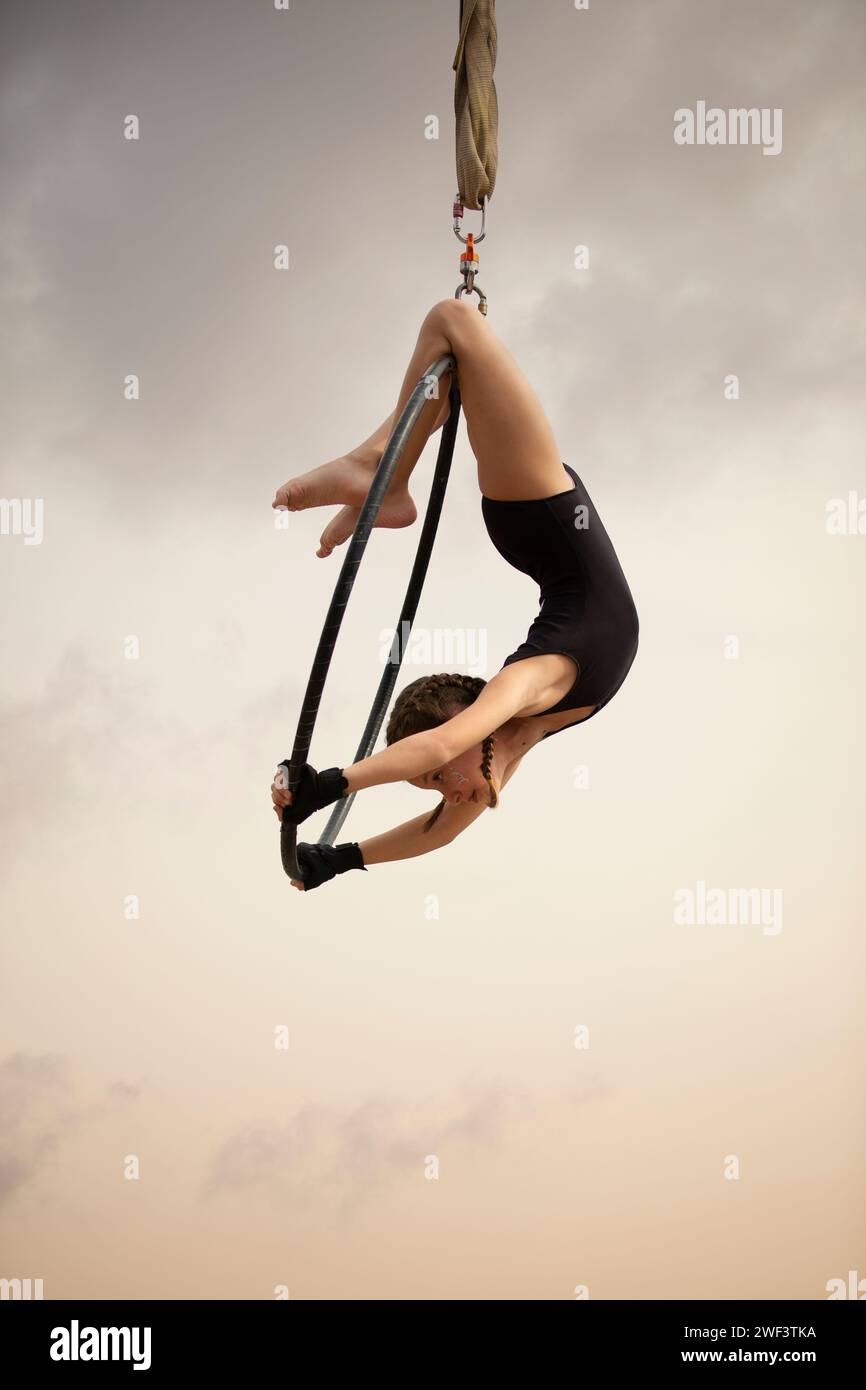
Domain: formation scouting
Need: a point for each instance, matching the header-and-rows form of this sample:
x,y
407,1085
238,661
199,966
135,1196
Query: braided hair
x,y
428,702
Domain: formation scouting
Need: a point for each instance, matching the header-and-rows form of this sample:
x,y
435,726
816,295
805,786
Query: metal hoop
x,y
328,640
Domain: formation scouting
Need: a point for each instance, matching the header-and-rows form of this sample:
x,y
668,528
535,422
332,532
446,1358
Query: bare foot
x,y
397,510
346,480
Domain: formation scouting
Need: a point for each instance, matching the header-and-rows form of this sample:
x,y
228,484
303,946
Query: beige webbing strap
x,y
475,106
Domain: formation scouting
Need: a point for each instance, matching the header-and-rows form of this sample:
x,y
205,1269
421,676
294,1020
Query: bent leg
x,y
511,438
347,479
508,430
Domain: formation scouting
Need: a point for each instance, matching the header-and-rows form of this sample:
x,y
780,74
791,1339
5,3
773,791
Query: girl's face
x,y
459,780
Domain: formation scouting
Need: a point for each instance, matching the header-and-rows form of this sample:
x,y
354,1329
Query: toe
x,y
338,531
291,496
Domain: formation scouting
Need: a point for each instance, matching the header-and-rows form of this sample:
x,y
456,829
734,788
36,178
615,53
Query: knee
x,y
454,312
455,318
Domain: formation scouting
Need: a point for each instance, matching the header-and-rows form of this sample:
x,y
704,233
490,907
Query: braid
x,y
487,750
428,702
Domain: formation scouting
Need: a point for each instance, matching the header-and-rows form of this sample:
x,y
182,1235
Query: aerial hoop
x,y
328,640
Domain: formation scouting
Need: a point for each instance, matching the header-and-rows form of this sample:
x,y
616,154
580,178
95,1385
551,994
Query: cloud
x,y
122,1091
25,1081
38,1111
30,1086
324,1153
87,718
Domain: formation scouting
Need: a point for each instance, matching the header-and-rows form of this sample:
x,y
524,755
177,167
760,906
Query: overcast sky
x,y
431,1005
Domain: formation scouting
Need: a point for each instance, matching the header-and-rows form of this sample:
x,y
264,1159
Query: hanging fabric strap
x,y
476,109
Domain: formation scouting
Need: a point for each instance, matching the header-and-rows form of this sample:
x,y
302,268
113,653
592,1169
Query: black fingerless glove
x,y
314,791
319,863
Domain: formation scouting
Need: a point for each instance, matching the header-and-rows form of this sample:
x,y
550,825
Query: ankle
x,y
367,456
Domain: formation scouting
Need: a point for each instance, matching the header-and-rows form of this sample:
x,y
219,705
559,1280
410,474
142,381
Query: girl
x,y
459,735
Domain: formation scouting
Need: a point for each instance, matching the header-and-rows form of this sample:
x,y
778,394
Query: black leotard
x,y
587,611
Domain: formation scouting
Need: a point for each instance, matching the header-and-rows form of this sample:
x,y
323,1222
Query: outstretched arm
x,y
405,841
501,698
410,839
510,692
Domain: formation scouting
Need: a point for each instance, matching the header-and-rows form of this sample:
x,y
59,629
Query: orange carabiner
x,y
468,256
